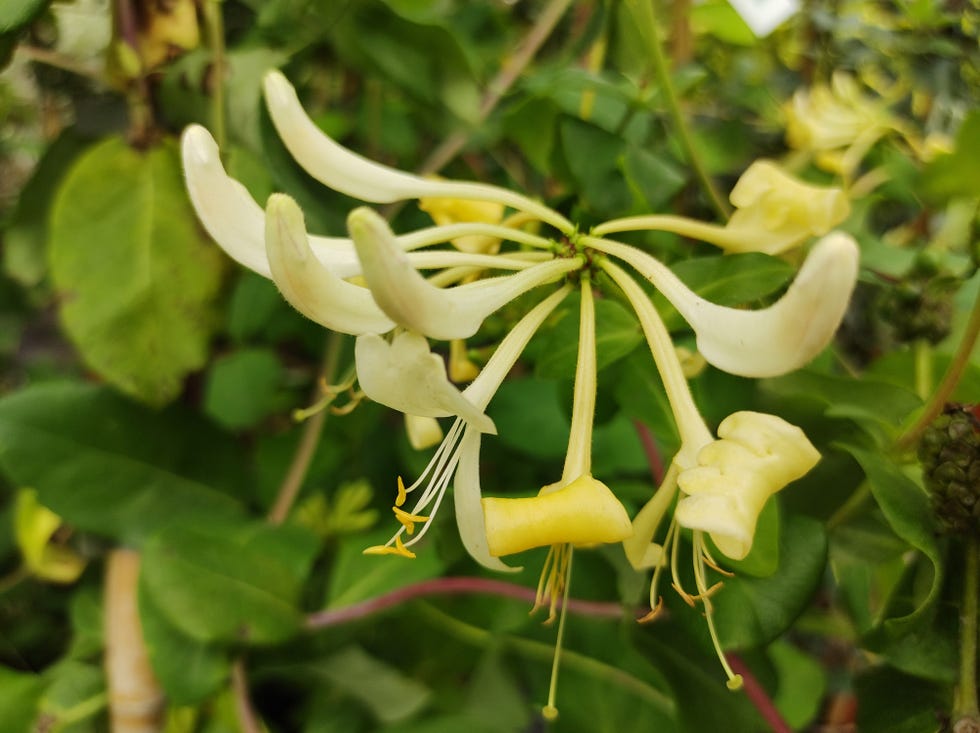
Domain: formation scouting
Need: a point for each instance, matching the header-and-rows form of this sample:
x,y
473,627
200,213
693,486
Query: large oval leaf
x,y
110,466
135,274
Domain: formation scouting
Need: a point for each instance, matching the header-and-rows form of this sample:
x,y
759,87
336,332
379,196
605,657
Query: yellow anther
x,y
402,493
657,610
408,520
398,549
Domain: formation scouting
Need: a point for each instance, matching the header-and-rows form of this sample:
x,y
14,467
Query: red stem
x,y
758,697
654,458
445,587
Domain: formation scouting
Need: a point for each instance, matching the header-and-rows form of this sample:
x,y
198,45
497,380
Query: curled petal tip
x,y
198,146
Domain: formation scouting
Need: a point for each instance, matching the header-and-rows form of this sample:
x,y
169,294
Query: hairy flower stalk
x,y
398,292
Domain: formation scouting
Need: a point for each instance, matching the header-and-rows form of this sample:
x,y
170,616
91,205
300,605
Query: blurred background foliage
x,y
147,384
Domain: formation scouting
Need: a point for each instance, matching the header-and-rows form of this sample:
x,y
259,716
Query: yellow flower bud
x,y
756,456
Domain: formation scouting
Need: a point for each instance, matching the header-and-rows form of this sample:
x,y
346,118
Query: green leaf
x,y
529,417
15,13
728,280
25,240
955,174
891,702
357,577
244,387
593,156
135,274
227,583
20,693
388,694
653,178
109,466
617,334
753,611
802,684
907,509
868,402
188,670
641,395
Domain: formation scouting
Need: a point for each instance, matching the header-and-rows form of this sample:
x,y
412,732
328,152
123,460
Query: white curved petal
x,y
311,288
407,376
227,211
771,341
233,218
345,171
469,508
412,302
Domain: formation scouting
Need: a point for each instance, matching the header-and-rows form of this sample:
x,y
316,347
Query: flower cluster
x,y
395,293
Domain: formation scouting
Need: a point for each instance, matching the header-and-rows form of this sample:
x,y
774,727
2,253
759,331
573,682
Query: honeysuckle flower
x,y
422,432
347,172
774,212
775,340
584,512
451,211
755,456
414,303
838,123
394,297
458,455
34,526
406,375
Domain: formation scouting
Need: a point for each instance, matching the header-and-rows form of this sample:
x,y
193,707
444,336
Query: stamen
x,y
330,393
408,520
550,711
402,494
656,601
734,680
398,549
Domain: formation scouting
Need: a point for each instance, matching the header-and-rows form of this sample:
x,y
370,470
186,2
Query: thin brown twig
x,y
500,85
248,721
451,586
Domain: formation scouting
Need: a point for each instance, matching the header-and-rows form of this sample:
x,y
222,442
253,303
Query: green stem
x,y
966,710
312,429
949,382
922,350
646,19
215,31
543,652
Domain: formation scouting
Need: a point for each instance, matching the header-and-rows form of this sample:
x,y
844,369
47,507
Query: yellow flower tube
x,y
583,512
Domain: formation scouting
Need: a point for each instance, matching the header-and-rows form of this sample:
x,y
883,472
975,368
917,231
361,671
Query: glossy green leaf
x,y
752,611
729,280
617,334
891,702
907,509
244,387
225,583
868,402
802,684
113,467
20,693
135,274
357,577
954,174
389,694
189,671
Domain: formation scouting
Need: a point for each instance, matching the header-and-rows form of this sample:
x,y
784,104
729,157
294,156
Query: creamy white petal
x,y
469,508
352,174
230,214
412,302
406,376
311,288
771,341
